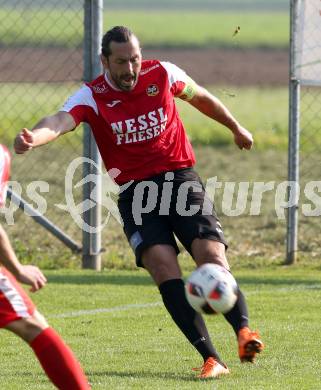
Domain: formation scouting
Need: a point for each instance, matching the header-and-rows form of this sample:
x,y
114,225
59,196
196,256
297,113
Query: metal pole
x,y
92,68
294,134
43,221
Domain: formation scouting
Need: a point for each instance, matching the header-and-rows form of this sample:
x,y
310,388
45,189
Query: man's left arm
x,y
28,274
211,106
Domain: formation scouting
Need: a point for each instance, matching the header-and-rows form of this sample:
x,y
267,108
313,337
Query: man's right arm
x,y
46,130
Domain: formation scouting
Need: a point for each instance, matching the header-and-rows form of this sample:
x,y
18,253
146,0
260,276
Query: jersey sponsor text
x,y
142,128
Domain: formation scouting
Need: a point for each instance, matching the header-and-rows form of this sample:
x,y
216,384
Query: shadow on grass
x,y
129,280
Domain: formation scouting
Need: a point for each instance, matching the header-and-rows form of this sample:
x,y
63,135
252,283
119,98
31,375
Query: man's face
x,y
124,63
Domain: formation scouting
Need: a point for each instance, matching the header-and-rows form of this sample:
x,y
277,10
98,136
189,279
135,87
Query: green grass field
x,y
202,4
117,326
269,125
183,28
114,320
161,4
263,110
253,239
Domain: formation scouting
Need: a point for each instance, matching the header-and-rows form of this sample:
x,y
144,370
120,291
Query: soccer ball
x,y
211,289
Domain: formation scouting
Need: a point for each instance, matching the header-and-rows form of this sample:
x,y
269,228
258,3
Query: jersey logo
x,y
152,90
113,103
100,88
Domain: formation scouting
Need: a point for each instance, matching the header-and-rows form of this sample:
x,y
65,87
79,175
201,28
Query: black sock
x,y
238,315
186,318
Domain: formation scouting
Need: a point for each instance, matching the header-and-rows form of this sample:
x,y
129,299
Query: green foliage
x,y
127,340
47,27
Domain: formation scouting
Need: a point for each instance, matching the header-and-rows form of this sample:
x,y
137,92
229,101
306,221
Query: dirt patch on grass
x,y
230,66
206,66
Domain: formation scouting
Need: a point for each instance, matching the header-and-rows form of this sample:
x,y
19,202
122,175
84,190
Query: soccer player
x,y
132,113
19,315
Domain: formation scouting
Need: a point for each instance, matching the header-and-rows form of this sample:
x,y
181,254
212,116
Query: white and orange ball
x,y
211,289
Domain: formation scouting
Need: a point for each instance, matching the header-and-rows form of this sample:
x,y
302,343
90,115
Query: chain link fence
x,y
306,73
41,64
309,238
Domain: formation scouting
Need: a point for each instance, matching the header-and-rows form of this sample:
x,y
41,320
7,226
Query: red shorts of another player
x,y
14,302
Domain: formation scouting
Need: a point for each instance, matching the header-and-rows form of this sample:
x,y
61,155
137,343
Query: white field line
x,y
80,313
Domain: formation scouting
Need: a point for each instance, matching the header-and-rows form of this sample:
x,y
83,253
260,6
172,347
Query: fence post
x,y
294,134
91,241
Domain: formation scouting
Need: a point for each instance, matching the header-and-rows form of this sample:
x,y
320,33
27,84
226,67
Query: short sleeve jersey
x,y
138,132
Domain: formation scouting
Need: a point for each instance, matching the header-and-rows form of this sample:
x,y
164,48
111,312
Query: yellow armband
x,y
189,90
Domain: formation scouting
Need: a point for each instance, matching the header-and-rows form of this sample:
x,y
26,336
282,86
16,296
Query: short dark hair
x,y
118,34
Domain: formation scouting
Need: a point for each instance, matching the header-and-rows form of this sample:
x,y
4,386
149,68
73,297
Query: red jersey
x,y
138,132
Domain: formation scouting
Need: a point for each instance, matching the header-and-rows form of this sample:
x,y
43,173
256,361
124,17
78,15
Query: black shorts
x,y
155,209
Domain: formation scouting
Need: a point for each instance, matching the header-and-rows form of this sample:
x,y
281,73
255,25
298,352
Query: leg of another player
x,y
54,355
161,262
